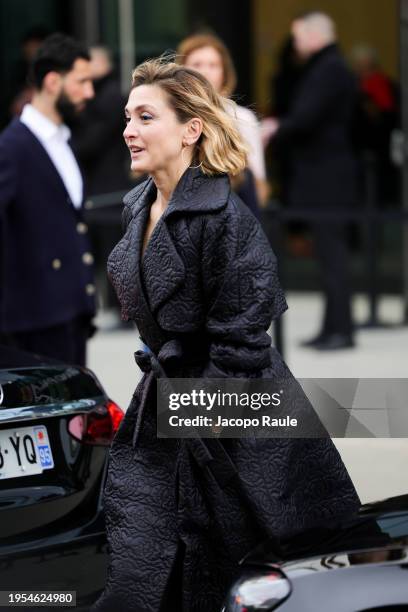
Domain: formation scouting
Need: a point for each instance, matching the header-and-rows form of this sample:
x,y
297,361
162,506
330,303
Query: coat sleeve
x,y
8,180
242,294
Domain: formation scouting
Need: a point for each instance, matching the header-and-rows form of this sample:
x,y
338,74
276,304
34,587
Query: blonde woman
x,y
208,55
196,274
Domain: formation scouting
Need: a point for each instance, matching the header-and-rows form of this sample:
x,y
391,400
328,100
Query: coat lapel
x,y
124,268
162,267
157,276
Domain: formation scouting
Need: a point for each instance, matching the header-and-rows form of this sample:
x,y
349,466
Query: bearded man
x,y
46,272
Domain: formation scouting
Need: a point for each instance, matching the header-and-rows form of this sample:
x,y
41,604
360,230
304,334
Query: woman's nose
x,y
130,130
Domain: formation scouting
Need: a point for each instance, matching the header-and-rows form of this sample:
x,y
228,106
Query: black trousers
x,y
331,247
65,342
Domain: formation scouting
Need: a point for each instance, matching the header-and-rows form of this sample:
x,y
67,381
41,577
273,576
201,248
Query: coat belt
x,y
149,362
218,461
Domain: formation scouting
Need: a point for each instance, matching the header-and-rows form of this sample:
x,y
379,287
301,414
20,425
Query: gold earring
x,y
182,154
196,167
182,158
199,165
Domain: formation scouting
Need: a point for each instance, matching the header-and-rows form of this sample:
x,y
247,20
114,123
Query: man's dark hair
x,y
58,53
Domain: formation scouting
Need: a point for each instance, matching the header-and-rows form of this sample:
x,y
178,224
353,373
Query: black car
x,y
56,425
358,566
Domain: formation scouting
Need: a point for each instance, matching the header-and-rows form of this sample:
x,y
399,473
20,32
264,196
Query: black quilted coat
x,y
203,297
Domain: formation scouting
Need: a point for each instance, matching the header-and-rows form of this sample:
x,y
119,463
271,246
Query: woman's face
x,y
208,62
153,133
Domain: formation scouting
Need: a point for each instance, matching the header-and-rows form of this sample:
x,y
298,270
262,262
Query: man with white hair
x,y
317,133
312,32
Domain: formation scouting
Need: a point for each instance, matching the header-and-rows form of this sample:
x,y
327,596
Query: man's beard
x,y
67,109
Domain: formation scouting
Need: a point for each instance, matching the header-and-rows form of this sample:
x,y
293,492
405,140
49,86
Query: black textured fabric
x,y
208,284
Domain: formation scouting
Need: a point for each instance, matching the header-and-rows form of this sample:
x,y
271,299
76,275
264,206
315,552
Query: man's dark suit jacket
x,y
317,134
46,272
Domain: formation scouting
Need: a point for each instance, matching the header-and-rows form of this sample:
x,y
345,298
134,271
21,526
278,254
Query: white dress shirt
x,y
54,138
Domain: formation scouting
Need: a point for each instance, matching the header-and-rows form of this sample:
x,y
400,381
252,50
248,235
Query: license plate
x,y
24,451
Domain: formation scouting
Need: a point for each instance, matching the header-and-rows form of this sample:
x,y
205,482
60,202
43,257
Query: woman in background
x,y
208,55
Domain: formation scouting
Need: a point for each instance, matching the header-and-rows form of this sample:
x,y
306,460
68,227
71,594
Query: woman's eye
x,y
126,119
145,117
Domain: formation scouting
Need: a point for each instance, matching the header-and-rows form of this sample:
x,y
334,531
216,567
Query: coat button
x,y
87,259
82,228
90,289
88,204
56,264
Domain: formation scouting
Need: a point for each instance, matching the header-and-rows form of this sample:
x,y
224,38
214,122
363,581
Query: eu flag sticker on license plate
x,y
43,446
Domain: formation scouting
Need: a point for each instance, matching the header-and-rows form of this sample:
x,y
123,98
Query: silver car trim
x,y
13,415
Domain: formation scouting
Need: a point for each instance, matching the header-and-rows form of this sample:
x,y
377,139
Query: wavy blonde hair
x,y
220,148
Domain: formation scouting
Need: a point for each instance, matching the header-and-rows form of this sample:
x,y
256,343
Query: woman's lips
x,y
135,151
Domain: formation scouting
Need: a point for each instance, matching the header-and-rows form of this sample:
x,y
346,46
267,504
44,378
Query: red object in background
x,y
378,88
97,427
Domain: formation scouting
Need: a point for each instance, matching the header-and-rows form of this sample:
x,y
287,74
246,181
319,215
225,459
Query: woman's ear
x,y
194,129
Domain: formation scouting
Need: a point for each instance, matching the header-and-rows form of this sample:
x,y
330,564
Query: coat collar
x,y
195,192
